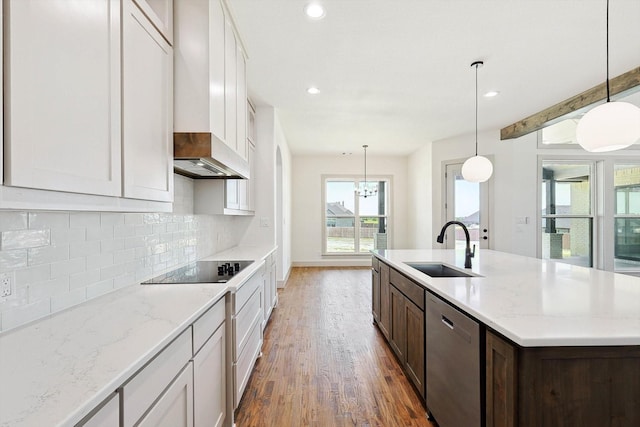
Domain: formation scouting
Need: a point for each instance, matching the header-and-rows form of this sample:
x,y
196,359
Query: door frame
x,y
486,192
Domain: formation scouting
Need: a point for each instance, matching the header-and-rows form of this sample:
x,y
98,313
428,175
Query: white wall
x,y
284,254
307,203
263,228
419,194
512,188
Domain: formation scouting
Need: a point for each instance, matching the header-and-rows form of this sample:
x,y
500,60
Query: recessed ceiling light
x,y
491,94
313,90
314,10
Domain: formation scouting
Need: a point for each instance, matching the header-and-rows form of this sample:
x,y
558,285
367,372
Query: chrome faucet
x,y
468,254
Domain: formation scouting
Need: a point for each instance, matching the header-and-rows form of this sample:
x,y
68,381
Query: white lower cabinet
x,y
141,391
270,287
108,414
247,332
210,369
175,407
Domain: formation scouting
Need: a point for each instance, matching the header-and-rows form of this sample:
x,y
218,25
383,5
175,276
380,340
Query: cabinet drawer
x,y
148,384
244,322
408,287
247,289
243,367
207,324
375,263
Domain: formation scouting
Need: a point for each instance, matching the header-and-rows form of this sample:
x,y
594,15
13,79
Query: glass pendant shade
x,y
608,127
477,169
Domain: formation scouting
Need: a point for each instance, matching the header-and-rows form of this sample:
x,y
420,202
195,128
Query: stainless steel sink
x,y
433,269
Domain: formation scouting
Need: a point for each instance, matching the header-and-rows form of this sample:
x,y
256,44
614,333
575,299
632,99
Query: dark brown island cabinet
x,y
504,384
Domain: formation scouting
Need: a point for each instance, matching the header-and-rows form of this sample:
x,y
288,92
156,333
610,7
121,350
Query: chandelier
x,y
366,189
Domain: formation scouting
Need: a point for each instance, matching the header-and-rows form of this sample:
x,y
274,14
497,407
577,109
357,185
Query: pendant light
x,y
477,168
365,190
612,125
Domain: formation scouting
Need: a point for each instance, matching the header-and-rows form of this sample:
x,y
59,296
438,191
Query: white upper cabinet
x,y
88,105
210,73
62,95
230,86
241,104
147,109
160,13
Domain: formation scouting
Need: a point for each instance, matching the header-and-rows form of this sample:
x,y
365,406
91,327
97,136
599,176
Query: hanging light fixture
x,y
612,125
477,168
366,189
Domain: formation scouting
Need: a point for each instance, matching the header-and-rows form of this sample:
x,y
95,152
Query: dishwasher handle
x,y
465,335
447,322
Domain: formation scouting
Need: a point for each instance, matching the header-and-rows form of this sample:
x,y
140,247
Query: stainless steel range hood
x,y
200,155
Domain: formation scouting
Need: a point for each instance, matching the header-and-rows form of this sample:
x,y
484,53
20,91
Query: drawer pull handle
x,y
447,322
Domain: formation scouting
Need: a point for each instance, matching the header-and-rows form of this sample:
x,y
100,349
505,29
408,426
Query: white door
x,y
467,202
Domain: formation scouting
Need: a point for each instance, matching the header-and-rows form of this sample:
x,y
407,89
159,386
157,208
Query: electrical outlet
x,y
6,285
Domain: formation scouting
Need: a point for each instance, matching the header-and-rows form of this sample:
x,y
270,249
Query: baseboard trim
x,y
366,262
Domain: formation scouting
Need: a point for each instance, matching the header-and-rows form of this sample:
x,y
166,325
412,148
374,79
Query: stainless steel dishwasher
x,y
453,365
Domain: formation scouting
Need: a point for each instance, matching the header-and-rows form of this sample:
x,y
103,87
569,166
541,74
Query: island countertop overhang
x,y
534,302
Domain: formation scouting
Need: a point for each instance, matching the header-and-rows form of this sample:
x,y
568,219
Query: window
x,y
566,205
626,181
354,224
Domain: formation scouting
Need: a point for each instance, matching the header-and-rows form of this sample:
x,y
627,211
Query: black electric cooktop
x,y
201,272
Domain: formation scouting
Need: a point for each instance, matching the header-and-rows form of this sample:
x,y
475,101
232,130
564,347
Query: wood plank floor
x,y
324,362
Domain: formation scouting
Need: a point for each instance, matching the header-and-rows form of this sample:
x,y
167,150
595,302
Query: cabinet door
x,y
375,294
147,109
398,337
160,13
175,406
267,299
273,281
385,300
62,98
107,416
209,388
245,186
415,346
230,86
231,194
501,371
241,107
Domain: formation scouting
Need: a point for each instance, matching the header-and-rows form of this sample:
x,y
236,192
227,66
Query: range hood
x,y
200,155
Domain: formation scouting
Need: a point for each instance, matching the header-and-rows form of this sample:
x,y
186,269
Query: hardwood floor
x,y
324,362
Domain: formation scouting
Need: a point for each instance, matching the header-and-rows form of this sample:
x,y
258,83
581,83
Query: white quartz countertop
x,y
56,370
534,302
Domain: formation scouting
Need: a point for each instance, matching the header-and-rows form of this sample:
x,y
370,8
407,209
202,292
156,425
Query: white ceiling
x,y
396,74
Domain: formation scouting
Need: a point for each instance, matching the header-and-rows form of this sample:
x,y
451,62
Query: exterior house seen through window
x,y
354,224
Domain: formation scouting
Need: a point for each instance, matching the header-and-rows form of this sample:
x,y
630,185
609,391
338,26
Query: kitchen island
x,y
559,344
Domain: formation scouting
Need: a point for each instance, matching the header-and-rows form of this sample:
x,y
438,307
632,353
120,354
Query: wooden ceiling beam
x,y
551,115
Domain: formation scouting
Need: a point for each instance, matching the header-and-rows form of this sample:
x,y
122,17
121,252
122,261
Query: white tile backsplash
x,y
24,239
60,259
13,221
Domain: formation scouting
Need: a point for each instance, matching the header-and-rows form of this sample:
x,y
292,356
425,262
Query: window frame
x,y
594,204
604,200
356,179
